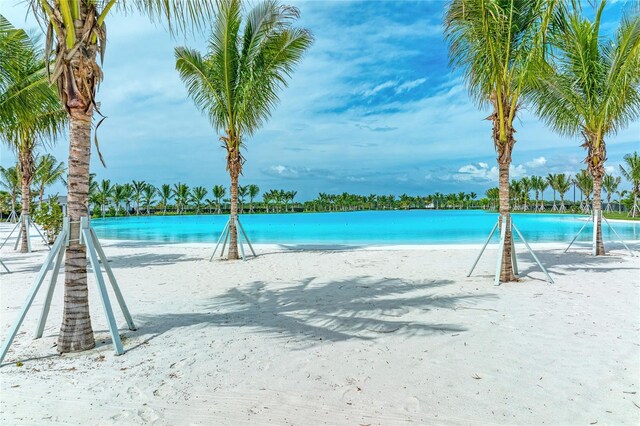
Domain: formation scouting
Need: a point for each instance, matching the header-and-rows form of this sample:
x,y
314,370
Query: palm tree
x,y
10,180
632,174
127,196
584,181
197,196
590,87
543,184
496,43
118,196
236,83
610,185
267,197
243,191
148,196
563,184
48,172
552,180
181,195
138,188
254,190
76,34
218,192
165,194
32,114
105,191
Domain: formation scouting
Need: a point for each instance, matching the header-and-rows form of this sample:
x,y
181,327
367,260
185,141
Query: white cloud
x,y
405,87
379,87
537,162
483,173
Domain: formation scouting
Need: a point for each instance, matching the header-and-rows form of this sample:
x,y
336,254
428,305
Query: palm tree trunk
x,y
234,165
597,207
506,269
76,333
26,165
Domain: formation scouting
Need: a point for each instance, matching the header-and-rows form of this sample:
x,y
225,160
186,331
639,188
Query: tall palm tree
x,y
32,112
127,197
266,199
138,189
236,83
243,191
148,197
181,196
552,180
76,34
48,172
10,180
219,193
197,197
610,185
632,174
495,43
165,194
591,86
563,184
254,190
118,196
105,191
543,184
584,181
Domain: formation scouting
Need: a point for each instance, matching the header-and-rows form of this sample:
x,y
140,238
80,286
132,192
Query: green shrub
x,y
49,216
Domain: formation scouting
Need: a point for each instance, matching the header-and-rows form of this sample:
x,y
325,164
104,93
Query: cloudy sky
x,y
373,107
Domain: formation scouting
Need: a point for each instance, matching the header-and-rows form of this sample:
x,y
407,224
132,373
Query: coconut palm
x,y
552,181
584,181
218,193
165,194
10,180
254,190
138,189
632,174
148,197
610,185
591,86
525,182
105,191
48,172
266,199
495,42
181,196
127,197
236,82
197,197
543,184
76,35
118,196
32,114
563,184
243,191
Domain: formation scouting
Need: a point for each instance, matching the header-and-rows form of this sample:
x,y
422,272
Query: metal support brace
x,y
224,238
592,219
95,252
503,230
28,224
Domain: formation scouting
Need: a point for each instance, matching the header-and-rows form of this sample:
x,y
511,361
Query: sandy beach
x,y
352,336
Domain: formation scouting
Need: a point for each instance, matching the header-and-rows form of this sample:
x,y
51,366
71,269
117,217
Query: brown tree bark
x,y
596,156
234,165
26,166
506,268
76,333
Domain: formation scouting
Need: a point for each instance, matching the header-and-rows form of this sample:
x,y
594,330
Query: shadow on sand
x,y
310,311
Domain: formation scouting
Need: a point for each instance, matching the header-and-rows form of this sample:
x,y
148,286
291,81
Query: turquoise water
x,y
370,227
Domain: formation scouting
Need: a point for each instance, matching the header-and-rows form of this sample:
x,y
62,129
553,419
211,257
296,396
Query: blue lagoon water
x,y
367,227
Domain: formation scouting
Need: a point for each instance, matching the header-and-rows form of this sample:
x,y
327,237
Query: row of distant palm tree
x,y
48,171
140,197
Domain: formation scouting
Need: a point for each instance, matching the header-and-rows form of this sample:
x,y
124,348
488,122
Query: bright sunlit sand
x,y
378,336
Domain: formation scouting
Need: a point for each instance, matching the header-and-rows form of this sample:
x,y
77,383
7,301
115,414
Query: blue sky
x,y
373,107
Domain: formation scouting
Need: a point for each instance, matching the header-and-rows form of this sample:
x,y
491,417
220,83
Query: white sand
x,y
351,337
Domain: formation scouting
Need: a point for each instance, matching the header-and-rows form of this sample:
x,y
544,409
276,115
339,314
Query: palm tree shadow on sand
x,y
312,311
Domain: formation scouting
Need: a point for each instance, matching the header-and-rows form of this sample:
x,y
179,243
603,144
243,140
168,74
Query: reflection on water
x,y
377,227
